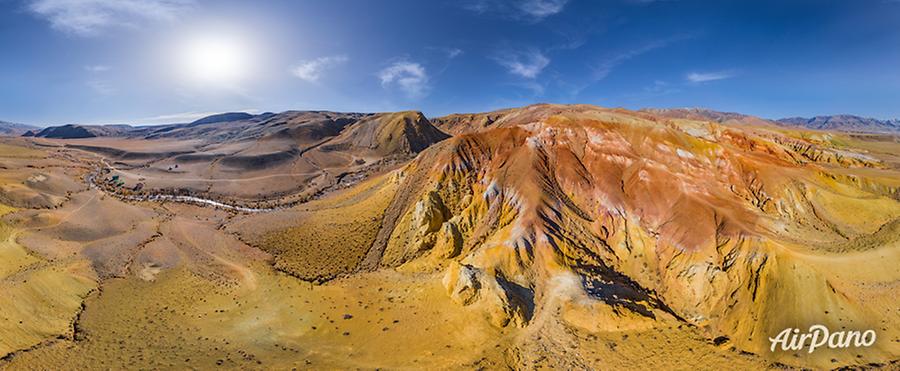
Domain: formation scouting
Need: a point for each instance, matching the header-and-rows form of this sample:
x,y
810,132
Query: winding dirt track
x,y
248,278
64,218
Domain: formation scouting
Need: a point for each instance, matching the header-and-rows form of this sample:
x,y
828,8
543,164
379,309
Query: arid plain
x,y
567,236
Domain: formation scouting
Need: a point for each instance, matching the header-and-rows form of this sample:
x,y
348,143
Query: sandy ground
x,y
128,286
88,281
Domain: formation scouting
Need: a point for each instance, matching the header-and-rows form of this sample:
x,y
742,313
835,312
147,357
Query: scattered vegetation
x,y
332,238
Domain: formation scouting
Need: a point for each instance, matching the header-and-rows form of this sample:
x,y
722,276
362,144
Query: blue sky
x,y
137,61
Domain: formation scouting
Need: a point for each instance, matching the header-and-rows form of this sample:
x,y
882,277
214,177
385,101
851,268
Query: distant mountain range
x,y
244,121
224,117
845,123
14,129
703,114
72,131
237,141
79,131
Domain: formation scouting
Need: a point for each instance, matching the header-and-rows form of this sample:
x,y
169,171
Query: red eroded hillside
x,y
637,220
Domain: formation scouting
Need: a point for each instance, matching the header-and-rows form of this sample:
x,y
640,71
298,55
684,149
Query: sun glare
x,y
215,60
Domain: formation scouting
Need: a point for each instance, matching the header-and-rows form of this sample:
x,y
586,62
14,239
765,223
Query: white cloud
x,y
97,68
311,70
528,63
91,17
410,77
531,10
698,77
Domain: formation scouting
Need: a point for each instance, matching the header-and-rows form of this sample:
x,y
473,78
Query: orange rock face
x,y
655,219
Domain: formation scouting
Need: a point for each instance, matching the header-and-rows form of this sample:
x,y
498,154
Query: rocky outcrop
x,y
400,133
221,117
618,220
468,285
807,151
65,132
449,241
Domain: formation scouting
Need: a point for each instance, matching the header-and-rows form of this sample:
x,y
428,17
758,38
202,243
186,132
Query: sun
x,y
215,60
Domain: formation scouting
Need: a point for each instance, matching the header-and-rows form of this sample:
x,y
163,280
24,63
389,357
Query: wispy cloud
x,y
97,68
537,89
576,33
657,89
409,77
606,66
660,87
530,10
91,17
650,1
525,63
101,87
311,70
453,52
542,8
698,77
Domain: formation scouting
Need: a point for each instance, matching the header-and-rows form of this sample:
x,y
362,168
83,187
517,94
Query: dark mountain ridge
x,y
317,124
844,122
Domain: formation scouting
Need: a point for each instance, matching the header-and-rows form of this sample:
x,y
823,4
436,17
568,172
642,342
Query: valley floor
x,y
88,281
96,283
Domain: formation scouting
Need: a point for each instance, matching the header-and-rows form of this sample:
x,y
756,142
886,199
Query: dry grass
x,y
117,326
16,149
333,236
12,256
41,302
284,324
